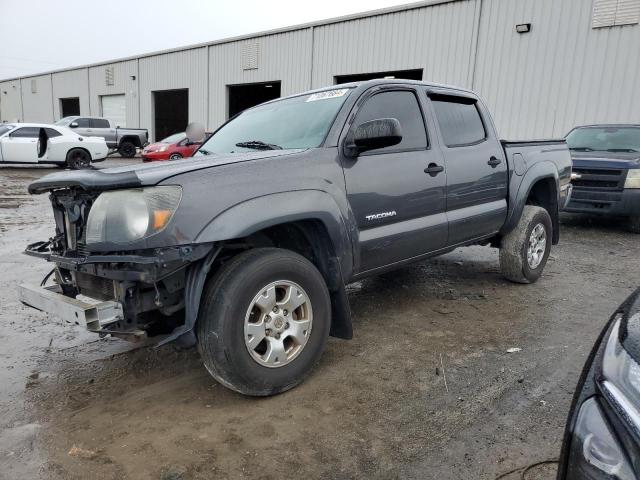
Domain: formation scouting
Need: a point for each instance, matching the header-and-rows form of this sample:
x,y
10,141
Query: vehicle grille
x,y
599,178
95,287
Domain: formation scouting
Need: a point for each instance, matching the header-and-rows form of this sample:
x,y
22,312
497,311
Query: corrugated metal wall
x,y
72,83
285,57
38,104
184,69
10,101
122,83
538,84
561,74
437,39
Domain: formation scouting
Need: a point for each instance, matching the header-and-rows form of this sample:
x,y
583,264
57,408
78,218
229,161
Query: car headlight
x,y
633,179
595,452
124,216
163,148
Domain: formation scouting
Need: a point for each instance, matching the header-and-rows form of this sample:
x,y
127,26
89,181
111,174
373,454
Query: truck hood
x,y
140,175
620,160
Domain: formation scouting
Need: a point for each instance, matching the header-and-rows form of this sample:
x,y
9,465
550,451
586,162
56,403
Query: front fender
x,y
259,213
520,188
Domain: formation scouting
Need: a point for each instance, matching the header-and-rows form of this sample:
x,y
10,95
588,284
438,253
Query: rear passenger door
x,y
398,207
476,201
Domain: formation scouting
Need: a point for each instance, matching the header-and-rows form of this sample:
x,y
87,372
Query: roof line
x,y
318,23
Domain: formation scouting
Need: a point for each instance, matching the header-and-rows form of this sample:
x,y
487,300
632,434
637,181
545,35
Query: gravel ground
x,y
426,389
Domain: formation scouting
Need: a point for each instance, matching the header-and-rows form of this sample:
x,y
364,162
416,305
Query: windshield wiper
x,y
204,152
628,150
258,145
582,149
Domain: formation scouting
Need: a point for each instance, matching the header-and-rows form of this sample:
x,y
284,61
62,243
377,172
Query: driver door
x,y
21,145
398,206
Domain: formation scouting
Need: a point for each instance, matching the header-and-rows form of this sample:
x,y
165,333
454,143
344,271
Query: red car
x,y
174,147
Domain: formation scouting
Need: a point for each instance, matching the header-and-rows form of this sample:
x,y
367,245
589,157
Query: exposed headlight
x,y
595,452
123,216
633,179
621,383
163,148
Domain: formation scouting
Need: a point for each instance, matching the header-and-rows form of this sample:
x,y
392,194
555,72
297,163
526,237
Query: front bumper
x,y
155,156
602,202
96,316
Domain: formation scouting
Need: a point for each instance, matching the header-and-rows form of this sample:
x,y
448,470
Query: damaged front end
x,y
111,271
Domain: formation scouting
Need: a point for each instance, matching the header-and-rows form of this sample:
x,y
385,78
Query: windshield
x,y
5,128
298,122
605,139
175,138
65,121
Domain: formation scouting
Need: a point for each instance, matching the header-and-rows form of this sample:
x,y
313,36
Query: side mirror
x,y
73,125
379,133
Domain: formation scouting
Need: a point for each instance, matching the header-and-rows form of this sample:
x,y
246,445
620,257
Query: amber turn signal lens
x,y
160,218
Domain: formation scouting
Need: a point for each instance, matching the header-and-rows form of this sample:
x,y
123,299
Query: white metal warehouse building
x,y
578,63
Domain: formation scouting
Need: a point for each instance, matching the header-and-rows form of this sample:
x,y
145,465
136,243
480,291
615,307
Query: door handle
x,y
434,169
494,162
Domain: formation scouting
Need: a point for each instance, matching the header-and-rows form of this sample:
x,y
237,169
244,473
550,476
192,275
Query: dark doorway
x,y
171,112
69,107
248,95
415,74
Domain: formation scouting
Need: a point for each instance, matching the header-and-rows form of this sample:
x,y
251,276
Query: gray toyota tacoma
x,y
245,249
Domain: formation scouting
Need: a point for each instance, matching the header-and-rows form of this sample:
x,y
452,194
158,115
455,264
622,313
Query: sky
x,y
43,35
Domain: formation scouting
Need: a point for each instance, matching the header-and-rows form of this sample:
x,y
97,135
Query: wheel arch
x,y
131,138
539,186
307,222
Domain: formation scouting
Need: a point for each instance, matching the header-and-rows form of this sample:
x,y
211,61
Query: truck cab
x,y
606,172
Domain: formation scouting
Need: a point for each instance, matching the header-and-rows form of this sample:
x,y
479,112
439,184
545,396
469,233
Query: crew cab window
x,y
403,106
100,123
460,121
25,132
82,122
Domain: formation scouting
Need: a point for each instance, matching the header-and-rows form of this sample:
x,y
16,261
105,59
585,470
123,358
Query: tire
x,y
78,159
633,224
127,149
515,263
175,156
225,313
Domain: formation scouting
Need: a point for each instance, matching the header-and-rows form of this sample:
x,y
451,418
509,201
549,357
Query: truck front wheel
x,y
524,251
264,321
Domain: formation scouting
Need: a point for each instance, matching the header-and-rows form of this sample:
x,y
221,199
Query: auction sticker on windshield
x,y
327,94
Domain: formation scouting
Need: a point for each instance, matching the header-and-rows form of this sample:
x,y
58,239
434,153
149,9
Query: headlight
x,y
595,451
633,179
123,216
621,383
162,149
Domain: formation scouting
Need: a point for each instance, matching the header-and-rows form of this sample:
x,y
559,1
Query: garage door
x,y
114,108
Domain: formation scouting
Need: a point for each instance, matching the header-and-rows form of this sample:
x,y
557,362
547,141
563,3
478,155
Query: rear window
x,y
460,122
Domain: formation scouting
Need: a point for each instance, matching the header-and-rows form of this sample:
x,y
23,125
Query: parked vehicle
x,y
257,235
606,171
602,437
124,140
41,143
174,147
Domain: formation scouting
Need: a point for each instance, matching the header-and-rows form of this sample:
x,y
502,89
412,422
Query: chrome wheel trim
x,y
278,323
537,246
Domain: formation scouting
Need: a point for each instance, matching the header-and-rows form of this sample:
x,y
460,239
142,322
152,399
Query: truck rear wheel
x,y
127,149
264,321
524,251
633,224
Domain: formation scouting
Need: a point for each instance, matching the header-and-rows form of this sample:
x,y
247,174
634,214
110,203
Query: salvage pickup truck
x,y
245,249
124,140
606,172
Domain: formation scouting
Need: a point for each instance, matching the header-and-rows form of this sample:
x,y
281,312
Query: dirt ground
x,y
426,389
